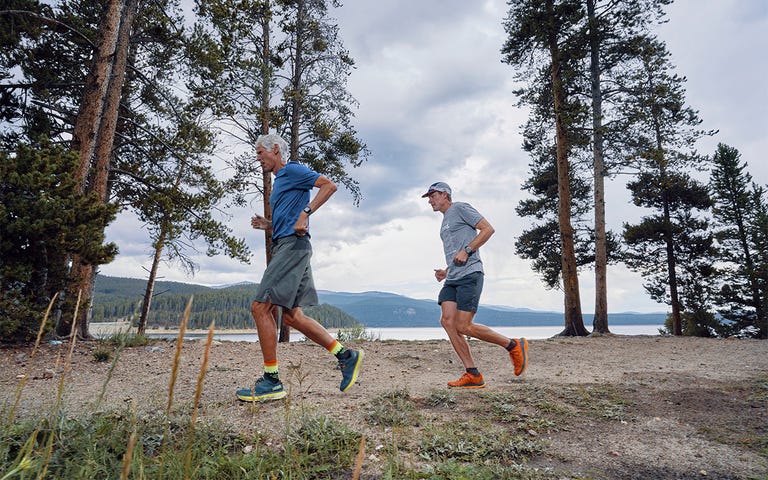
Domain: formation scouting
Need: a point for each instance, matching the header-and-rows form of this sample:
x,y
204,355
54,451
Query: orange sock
x,y
270,368
335,347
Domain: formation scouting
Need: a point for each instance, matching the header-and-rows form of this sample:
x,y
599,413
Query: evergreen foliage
x,y
306,66
528,26
541,242
672,248
43,217
159,165
595,52
539,42
739,212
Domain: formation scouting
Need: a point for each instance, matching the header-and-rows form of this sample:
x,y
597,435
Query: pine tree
x,y
539,30
306,69
610,26
738,211
147,104
541,242
43,217
296,86
598,48
661,138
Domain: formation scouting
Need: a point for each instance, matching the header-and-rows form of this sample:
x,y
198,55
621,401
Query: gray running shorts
x,y
465,291
287,281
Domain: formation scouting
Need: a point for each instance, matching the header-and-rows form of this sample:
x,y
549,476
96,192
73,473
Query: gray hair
x,y
270,140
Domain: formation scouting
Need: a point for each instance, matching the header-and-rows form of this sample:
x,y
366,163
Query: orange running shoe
x,y
519,356
468,381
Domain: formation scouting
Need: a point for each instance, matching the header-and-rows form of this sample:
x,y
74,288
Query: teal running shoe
x,y
264,389
350,368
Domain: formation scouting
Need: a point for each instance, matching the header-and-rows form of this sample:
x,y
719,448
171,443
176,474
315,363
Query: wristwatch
x,y
469,250
307,210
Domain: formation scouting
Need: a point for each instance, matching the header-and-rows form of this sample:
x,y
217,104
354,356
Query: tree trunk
x,y
677,328
752,273
668,233
80,278
574,322
94,94
89,135
145,306
600,321
296,80
296,100
101,146
266,78
106,133
264,113
84,137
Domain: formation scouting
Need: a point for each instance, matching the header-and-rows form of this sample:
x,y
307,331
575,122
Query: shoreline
x,y
376,333
116,328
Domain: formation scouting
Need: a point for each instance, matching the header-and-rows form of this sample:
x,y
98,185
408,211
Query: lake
x,y
430,333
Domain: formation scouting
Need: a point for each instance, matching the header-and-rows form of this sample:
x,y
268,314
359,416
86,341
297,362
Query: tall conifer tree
x,y
661,143
739,214
541,30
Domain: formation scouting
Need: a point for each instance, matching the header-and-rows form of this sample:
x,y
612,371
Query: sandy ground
x,y
697,407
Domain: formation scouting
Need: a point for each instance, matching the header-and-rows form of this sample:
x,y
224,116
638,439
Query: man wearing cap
x,y
287,281
463,232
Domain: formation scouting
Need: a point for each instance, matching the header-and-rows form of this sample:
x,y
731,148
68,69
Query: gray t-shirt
x,y
457,230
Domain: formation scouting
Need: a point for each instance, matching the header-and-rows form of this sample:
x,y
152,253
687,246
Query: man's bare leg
x,y
308,326
449,321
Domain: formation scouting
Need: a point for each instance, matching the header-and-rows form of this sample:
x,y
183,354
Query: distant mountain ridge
x,y
382,309
372,308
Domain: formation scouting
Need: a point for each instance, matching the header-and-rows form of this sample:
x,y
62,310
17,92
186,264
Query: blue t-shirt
x,y
290,194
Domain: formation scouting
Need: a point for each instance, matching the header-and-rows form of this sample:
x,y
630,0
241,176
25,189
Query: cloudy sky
x,y
436,104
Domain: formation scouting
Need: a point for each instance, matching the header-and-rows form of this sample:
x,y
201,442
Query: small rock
x,y
614,453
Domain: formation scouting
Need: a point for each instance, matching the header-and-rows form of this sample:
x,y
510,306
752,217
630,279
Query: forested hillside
x,y
230,307
120,298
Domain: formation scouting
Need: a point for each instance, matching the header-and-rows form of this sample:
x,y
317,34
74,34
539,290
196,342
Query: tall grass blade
x,y
55,412
128,457
174,374
359,460
24,458
198,393
110,372
177,356
20,386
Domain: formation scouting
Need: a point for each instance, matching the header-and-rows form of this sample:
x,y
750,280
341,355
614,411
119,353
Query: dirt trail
x,y
695,403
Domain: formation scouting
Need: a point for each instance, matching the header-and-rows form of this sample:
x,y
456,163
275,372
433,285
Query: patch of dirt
x,y
626,407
